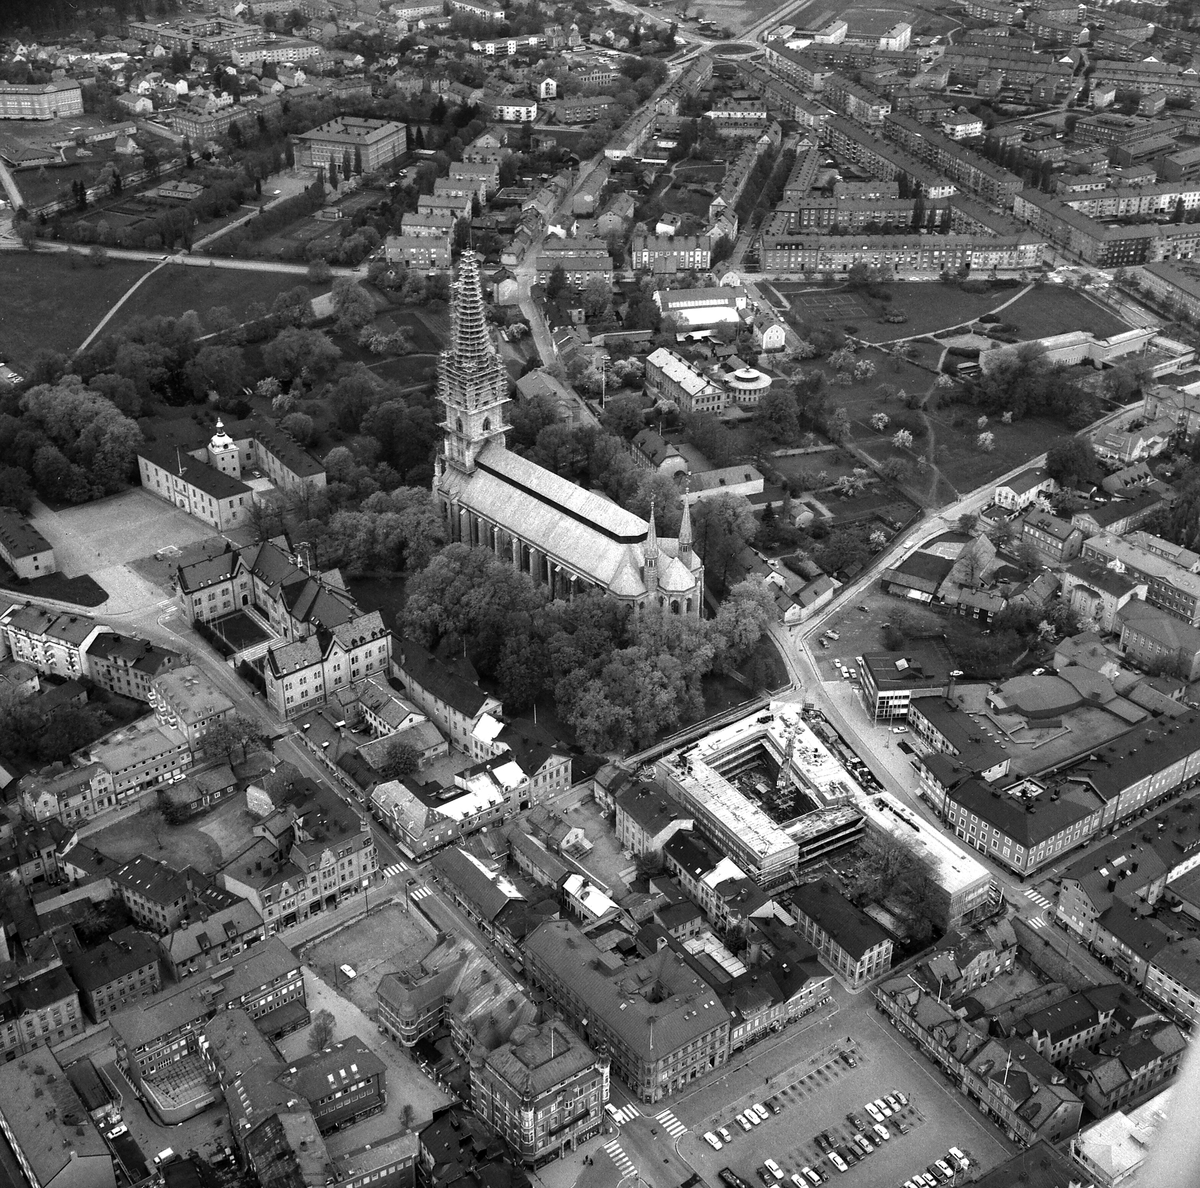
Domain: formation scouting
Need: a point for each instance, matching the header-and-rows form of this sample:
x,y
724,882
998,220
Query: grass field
x,y
47,305
1053,309
179,287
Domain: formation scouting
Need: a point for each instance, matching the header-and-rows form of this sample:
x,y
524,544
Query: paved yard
x,y
388,941
114,531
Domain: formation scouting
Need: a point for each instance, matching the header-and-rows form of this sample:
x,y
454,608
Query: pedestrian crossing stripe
x,y
616,1153
1038,898
625,1114
1038,923
421,892
390,872
670,1123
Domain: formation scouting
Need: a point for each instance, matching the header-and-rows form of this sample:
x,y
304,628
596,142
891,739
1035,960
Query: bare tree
x,y
321,1031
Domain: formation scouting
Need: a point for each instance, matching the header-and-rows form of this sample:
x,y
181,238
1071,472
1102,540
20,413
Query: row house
x,y
39,1007
964,165
1172,578
836,255
138,757
671,253
312,851
1005,1078
68,794
187,701
426,253
118,972
210,937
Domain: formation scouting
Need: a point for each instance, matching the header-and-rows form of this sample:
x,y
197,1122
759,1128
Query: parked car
x,y
882,1131
960,1159
875,1112
864,1144
712,1140
856,1121
773,1105
773,1168
899,729
898,1096
761,1111
838,1161
883,1107
723,1131
744,1122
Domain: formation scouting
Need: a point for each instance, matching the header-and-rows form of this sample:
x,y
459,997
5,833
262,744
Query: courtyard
x,y
111,532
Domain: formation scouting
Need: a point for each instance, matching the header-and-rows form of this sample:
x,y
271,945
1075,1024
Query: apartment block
x,y
849,942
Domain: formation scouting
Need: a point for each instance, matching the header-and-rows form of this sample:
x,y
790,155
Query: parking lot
x,y
818,1098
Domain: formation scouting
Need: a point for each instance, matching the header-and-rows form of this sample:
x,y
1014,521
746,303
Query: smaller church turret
x,y
685,530
650,553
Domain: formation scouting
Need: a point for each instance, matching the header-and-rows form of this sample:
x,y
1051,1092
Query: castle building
x,y
572,540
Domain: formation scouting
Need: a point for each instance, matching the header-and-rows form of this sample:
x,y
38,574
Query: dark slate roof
x,y
213,482
826,906
444,681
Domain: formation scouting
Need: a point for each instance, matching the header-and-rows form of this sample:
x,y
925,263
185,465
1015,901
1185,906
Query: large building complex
x,y
566,538
373,143
41,101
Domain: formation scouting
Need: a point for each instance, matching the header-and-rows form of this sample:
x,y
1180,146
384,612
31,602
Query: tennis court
x,y
831,306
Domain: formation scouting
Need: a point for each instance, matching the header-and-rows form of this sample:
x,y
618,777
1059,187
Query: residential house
x,y
209,938
23,548
128,666
1028,487
115,974
1159,642
849,942
184,699
1054,541
647,818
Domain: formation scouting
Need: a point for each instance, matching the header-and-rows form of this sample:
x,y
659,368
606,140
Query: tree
x,y
297,350
300,426
902,439
721,528
401,760
319,272
27,234
879,421
839,426
623,416
219,369
321,1030
232,736
597,296
351,305
742,620
1071,462
556,282
986,442
778,415
155,820
98,255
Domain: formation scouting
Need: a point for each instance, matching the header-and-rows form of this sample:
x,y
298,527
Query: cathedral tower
x,y
472,379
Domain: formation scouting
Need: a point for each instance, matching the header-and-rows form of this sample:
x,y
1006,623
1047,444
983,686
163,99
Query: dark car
x,y
856,1121
773,1105
849,1060
824,1143
849,1154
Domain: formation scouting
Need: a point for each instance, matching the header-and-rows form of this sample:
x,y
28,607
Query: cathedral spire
x,y
472,379
685,527
469,341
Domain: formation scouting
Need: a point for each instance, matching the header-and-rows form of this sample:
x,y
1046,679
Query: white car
x,y
761,1111
885,1108
723,1131
959,1158
894,1102
773,1168
348,972
944,1168
744,1122
810,1175
899,729
838,1161
875,1112
899,1097
612,1111
753,1118
882,1131
117,1130
712,1140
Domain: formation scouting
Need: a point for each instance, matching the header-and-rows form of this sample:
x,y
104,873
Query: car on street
x,y
761,1111
875,1112
612,1111
712,1140
899,729
348,972
723,1131
882,1131
838,1161
119,1128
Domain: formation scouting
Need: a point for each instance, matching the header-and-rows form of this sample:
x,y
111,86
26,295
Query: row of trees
x,y
618,679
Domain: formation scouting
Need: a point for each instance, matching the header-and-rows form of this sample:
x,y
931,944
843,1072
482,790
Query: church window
x,y
458,425
487,424
674,606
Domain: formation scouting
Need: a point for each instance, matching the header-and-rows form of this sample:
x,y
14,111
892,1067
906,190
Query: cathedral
x,y
572,540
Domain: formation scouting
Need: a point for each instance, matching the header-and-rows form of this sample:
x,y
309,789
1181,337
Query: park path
x,y
133,288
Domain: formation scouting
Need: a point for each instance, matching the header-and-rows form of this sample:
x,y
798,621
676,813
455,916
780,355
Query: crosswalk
x,y
1037,922
390,872
1038,898
625,1114
616,1153
670,1123
420,894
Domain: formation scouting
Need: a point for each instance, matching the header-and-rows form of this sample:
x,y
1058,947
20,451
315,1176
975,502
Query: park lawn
x,y
176,845
179,287
930,306
47,305
1055,309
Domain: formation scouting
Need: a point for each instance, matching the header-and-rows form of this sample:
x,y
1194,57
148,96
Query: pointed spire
x,y
470,341
685,526
651,549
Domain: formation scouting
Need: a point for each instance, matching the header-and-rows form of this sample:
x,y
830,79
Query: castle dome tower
x,y
472,379
223,453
